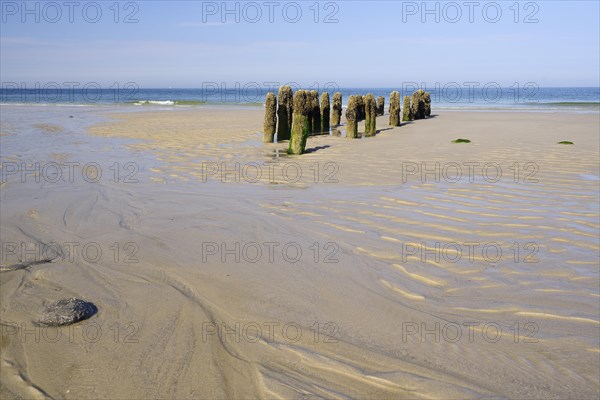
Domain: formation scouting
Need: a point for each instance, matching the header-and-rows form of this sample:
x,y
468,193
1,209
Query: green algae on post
x,y
380,105
315,112
360,112
336,113
352,118
427,101
284,113
300,124
406,111
370,115
461,141
394,108
325,110
418,104
270,121
565,142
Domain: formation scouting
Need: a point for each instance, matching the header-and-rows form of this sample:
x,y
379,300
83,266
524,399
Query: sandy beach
x,y
399,266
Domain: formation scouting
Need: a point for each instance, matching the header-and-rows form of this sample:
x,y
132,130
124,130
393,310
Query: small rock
x,y
67,311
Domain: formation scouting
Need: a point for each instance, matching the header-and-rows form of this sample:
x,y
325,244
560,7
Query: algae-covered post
x,y
352,117
418,104
336,114
406,111
370,115
284,113
427,100
380,105
360,108
394,108
315,112
270,118
300,125
325,110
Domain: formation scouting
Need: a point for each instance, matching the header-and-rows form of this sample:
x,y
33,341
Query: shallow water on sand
x,y
357,279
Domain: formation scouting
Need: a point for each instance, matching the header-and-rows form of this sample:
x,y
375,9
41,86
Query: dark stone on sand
x,y
66,312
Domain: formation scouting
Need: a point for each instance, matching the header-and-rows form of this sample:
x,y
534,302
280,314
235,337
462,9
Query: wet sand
x,y
363,269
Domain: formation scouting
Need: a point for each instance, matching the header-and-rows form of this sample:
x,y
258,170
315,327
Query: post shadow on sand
x,y
315,149
383,130
277,154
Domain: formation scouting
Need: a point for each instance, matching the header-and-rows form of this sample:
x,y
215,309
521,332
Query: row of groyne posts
x,y
295,116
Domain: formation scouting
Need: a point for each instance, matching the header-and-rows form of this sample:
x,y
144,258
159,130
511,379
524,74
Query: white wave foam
x,y
158,102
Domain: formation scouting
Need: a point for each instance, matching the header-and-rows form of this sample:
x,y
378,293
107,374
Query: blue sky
x,y
373,44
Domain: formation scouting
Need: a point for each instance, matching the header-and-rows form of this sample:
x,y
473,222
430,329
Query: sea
x,y
451,97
